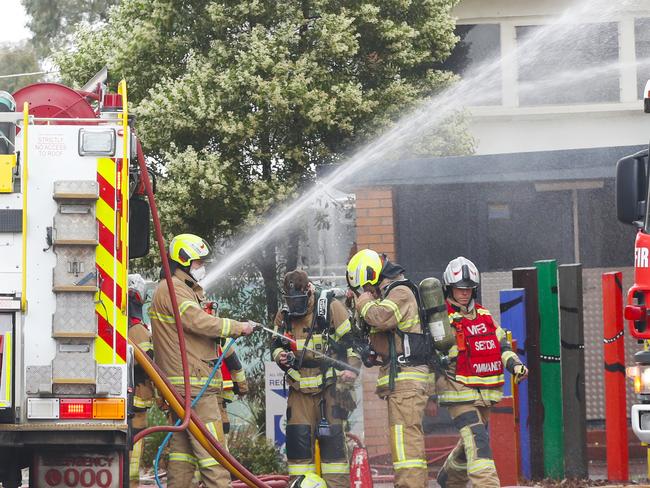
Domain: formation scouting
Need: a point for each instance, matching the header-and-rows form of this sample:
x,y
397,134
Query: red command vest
x,y
479,362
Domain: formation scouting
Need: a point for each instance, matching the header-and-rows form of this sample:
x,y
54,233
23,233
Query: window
x,y
642,36
571,68
478,44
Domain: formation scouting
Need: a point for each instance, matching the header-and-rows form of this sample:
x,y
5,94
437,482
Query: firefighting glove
x,y
520,373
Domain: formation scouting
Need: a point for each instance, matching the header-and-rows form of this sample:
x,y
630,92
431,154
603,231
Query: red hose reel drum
x,y
54,100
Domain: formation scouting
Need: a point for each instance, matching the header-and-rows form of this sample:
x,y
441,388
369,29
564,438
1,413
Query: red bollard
x,y
615,405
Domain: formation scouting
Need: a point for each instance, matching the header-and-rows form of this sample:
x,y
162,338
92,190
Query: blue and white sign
x,y
276,405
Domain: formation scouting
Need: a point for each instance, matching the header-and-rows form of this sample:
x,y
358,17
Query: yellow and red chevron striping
x,y
110,345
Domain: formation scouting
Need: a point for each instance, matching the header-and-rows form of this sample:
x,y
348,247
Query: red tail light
x,y
77,408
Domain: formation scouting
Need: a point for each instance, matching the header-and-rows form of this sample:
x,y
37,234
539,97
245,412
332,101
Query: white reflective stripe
x,y
225,327
293,374
212,428
146,346
483,311
134,461
501,334
392,306
479,465
186,305
227,395
407,324
183,457
315,341
315,381
364,309
469,395
239,376
404,376
207,462
161,317
298,469
141,403
398,434
410,464
334,468
228,385
194,381
342,329
496,380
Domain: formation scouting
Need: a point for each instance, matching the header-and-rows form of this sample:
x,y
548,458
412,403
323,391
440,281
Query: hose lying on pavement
x,y
196,427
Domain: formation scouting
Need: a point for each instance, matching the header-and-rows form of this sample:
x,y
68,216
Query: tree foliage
x,y
17,58
52,21
240,102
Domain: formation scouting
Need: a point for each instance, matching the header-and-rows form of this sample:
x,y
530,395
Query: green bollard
x,y
550,369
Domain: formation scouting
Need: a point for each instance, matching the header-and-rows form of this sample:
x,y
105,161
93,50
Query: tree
x,y
51,21
240,102
18,58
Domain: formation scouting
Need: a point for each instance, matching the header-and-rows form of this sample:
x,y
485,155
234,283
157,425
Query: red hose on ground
x,y
187,401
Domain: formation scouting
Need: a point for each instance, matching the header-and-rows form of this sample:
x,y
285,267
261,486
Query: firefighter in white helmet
x,y
188,254
143,396
473,379
388,304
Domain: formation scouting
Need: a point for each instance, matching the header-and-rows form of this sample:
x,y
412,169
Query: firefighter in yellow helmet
x,y
388,304
188,255
473,379
143,396
315,409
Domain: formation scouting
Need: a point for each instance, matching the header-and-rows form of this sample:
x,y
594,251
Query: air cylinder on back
x,y
433,300
7,129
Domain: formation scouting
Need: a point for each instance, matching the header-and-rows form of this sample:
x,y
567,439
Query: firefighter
x,y
188,254
314,406
388,304
143,397
473,380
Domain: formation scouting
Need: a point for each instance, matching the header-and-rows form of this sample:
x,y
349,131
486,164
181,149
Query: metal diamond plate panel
x,y
38,379
74,365
75,312
594,360
77,390
75,222
491,285
72,264
109,380
77,187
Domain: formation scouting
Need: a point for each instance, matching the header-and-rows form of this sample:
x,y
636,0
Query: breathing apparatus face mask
x,y
198,273
297,301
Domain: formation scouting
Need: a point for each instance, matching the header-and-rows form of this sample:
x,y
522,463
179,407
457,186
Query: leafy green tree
x,y
51,21
18,58
240,102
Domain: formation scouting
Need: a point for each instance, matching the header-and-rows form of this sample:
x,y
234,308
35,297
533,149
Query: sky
x,y
13,21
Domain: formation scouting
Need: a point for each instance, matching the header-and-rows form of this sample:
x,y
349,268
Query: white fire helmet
x,y
309,480
138,285
461,273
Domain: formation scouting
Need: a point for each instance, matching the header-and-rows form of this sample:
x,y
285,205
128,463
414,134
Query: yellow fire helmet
x,y
185,248
309,480
364,268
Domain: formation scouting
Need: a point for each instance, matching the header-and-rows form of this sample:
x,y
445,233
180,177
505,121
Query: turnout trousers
x,y
405,412
303,416
142,401
186,454
471,459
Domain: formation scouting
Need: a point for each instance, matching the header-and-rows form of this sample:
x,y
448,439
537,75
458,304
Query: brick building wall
x,y
375,229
